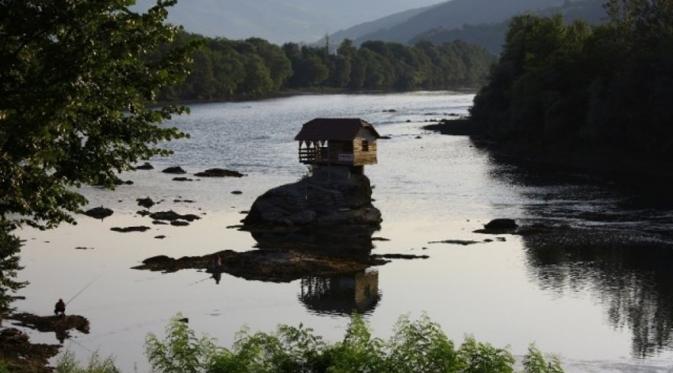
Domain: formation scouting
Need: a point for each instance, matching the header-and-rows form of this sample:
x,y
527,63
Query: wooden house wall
x,y
361,157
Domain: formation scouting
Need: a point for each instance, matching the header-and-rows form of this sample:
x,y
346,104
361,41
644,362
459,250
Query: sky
x,y
281,20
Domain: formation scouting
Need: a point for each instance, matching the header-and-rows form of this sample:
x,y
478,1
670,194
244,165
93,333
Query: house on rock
x,y
338,142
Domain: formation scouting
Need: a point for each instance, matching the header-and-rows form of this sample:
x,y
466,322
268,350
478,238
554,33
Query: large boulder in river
x,y
499,226
330,197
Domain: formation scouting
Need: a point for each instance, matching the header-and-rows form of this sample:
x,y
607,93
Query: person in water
x,y
59,308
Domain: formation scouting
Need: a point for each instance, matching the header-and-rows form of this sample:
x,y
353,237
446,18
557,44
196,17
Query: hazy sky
x,y
281,20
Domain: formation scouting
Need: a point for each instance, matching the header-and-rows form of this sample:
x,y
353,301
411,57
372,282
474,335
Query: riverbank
x,y
319,91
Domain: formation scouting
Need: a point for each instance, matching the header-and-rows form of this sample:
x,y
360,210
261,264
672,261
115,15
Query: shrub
x,y
181,351
416,347
534,362
68,364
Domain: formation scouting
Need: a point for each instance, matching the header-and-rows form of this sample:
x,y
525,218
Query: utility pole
x,y
327,51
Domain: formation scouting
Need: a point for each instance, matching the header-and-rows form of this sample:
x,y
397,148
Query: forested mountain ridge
x,y
357,31
279,21
232,70
491,36
456,13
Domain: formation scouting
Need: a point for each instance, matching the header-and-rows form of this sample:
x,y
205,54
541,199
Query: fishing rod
x,y
83,289
200,281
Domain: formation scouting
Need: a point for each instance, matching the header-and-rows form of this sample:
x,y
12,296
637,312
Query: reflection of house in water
x,y
343,294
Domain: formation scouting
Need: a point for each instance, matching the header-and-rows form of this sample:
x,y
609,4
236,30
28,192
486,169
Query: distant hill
x,y
356,32
492,36
456,13
279,20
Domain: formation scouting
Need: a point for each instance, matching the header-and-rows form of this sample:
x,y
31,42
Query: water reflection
x,y
354,241
613,243
633,280
341,295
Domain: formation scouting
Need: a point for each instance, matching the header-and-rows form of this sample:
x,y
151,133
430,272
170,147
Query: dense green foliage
x,y
607,88
181,351
76,81
9,266
227,69
68,364
415,347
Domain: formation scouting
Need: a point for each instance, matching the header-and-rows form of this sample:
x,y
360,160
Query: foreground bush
x,y
416,347
68,364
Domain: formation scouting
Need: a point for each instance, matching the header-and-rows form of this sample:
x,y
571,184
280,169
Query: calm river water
x,y
599,307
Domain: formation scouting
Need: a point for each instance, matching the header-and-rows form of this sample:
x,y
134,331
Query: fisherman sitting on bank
x,y
59,308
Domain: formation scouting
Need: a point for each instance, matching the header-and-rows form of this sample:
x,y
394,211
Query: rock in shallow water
x,y
52,323
99,213
502,224
145,202
262,265
174,170
145,166
20,355
173,216
130,229
219,172
498,226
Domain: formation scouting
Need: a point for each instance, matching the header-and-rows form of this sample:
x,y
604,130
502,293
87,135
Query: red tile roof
x,y
338,129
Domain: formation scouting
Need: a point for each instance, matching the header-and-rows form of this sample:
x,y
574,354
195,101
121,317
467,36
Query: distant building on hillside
x,y
338,142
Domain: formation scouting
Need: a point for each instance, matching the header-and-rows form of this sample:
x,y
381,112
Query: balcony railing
x,y
322,155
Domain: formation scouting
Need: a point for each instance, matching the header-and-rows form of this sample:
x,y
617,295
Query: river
x,y
598,307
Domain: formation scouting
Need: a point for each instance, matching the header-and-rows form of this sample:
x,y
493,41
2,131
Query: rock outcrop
x,y
173,216
145,166
499,226
176,170
99,213
145,202
22,356
219,172
140,228
262,265
330,197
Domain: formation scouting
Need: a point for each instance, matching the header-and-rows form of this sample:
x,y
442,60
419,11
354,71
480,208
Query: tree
x,y
77,79
201,81
9,265
346,49
602,92
257,80
342,72
276,61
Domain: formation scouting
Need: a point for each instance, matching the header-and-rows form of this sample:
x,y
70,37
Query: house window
x,y
365,145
